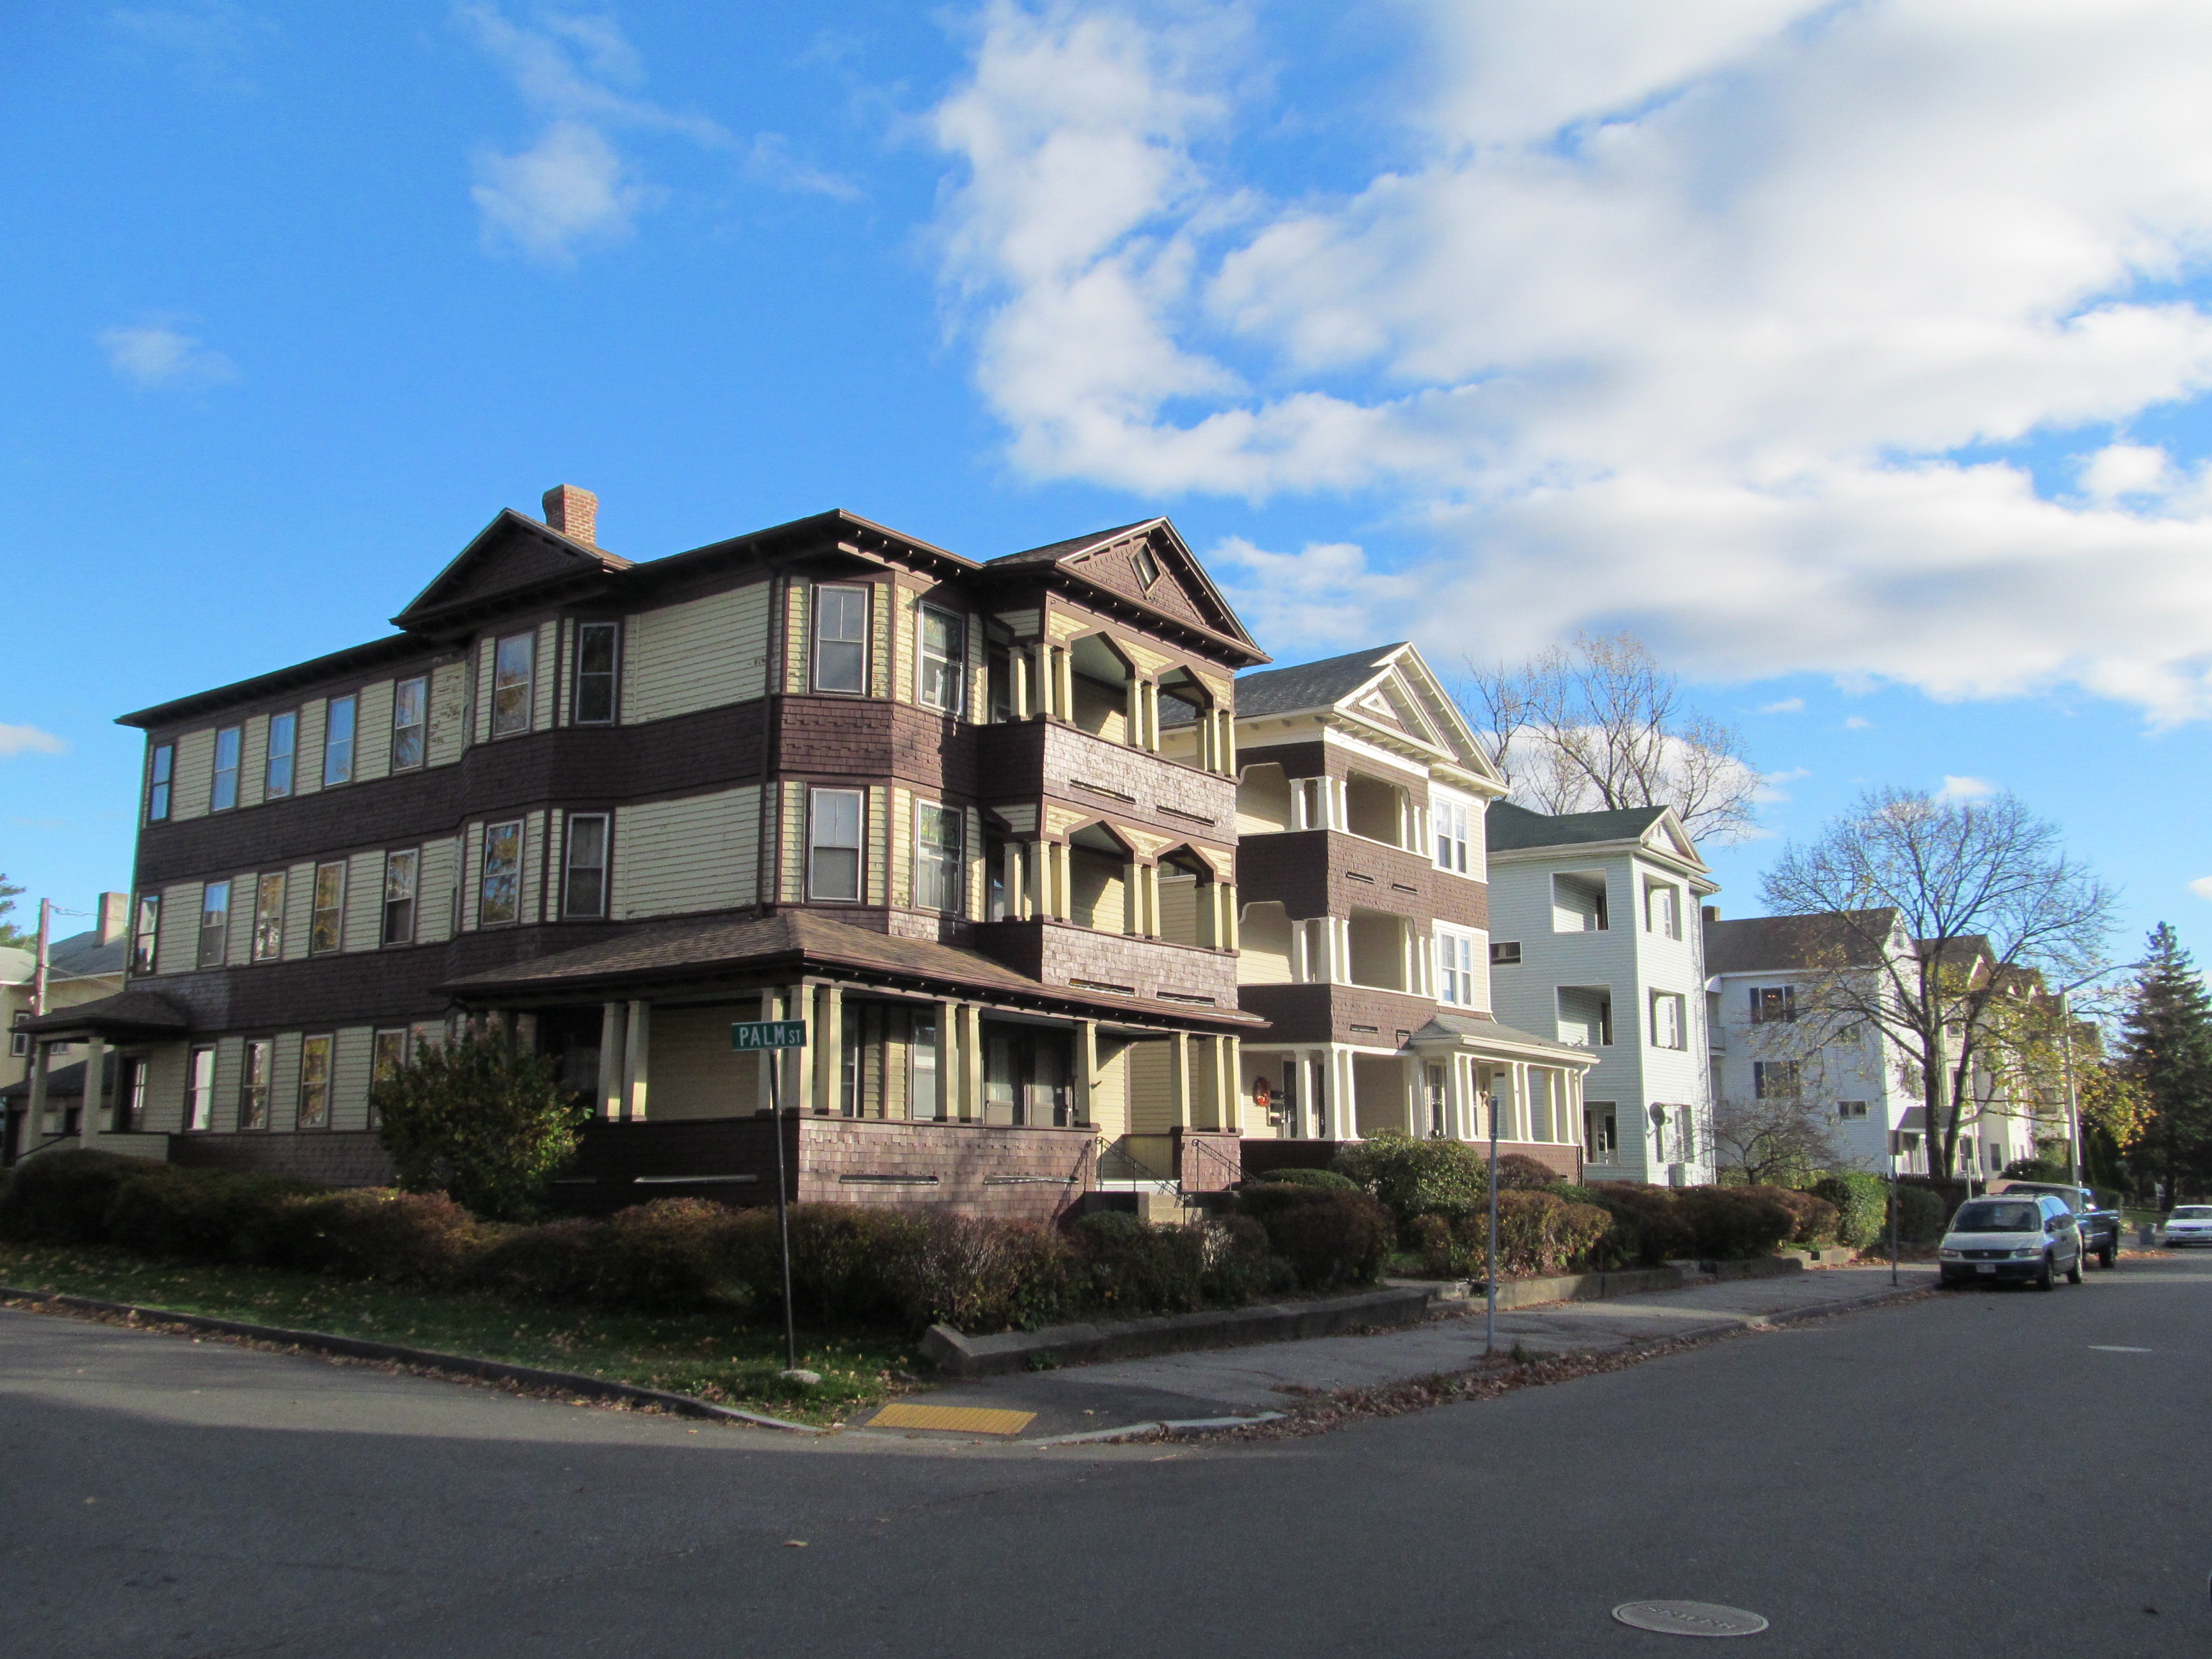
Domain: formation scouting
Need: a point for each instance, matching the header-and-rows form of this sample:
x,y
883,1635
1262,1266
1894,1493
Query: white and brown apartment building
x,y
820,771
1361,804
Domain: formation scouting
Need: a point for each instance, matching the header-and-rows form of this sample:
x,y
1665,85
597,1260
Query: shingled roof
x,y
1763,944
1312,684
1514,828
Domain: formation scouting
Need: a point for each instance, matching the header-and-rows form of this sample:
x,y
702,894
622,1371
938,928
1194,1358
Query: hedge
x,y
1538,1232
1862,1202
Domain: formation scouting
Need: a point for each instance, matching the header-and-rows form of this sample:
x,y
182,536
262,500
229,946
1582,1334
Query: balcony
x,y
1115,964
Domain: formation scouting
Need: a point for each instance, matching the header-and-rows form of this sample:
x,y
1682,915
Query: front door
x,y
1025,1076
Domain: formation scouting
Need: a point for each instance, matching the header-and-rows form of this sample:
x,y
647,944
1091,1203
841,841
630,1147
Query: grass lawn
x,y
713,1357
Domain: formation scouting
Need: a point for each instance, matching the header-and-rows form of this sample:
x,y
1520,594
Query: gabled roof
x,y
81,956
1180,591
1388,689
1779,943
512,555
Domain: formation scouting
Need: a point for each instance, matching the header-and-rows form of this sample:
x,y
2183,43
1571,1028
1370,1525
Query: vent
x,y
1186,996
1167,811
1101,985
1100,789
887,1181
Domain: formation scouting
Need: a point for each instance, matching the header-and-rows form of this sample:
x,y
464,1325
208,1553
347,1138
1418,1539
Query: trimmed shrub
x,y
1266,1200
1862,1202
1814,1218
62,1198
1341,1239
1649,1226
1730,1223
1411,1178
982,1276
1519,1171
1538,1233
1921,1213
1326,1179
370,1232
678,1252
479,1120
1239,1265
1129,1267
163,1210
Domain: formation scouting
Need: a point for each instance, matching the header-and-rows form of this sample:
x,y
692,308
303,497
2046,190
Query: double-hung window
x,y
1667,1024
840,638
129,1095
326,928
584,888
833,844
512,678
1455,968
199,1088
253,1084
387,1059
1453,819
214,923
499,896
1662,910
283,753
401,872
595,673
269,916
937,841
222,794
159,779
339,728
944,660
410,701
1774,1079
314,1110
1774,1004
146,935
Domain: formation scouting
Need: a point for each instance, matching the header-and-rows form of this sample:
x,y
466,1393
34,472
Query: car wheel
x,y
2074,1273
2048,1279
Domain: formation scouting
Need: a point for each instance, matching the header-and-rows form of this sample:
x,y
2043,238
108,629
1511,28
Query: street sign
x,y
747,1035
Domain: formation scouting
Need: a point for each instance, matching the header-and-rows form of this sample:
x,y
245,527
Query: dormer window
x,y
1147,566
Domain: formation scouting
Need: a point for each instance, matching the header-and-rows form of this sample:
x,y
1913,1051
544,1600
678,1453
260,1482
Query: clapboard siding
x,y
350,1057
700,654
308,756
449,713
695,1072
696,853
372,733
364,900
176,943
194,774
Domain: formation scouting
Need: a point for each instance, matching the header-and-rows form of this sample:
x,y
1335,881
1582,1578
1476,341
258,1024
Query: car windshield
x,y
2000,1219
2192,1213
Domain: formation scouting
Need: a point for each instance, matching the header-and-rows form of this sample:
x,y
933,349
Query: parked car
x,y
2013,1235
2186,1224
2101,1228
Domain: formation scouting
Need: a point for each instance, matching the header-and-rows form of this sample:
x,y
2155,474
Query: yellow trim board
x,y
960,1419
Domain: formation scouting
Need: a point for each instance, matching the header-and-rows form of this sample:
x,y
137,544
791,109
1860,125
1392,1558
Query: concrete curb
x,y
355,1347
958,1355
1166,1425
1458,1295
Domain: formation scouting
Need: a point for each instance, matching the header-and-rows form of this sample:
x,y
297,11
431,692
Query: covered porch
x,y
118,1047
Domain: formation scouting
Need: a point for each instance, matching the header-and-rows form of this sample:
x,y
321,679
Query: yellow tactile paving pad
x,y
962,1419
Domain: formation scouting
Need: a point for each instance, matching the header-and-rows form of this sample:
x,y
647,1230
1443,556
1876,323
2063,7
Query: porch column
x,y
1086,1067
1233,919
1458,1082
1132,899
1063,682
1040,881
1044,687
1133,711
1344,1088
1063,881
948,1084
1232,1083
637,1062
1019,661
1153,715
1179,1079
797,1063
829,1036
612,1024
34,1124
88,1127
1013,877
971,1063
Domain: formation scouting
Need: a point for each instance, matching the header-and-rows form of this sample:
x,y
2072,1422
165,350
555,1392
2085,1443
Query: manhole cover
x,y
1689,1618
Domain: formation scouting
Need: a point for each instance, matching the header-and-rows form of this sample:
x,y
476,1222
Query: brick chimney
x,y
112,916
574,513
1710,911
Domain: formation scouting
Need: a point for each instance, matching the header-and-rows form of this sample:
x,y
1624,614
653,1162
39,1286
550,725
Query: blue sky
x,y
1855,357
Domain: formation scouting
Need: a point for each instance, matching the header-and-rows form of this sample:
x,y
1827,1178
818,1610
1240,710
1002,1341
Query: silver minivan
x,y
1992,1240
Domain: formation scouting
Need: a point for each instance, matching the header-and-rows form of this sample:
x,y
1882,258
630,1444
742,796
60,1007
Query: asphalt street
x,y
2001,1473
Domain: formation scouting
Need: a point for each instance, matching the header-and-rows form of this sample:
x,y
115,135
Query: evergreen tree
x,y
2165,1050
9,933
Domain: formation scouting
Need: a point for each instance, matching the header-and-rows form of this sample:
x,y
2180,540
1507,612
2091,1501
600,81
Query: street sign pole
x,y
773,1036
1490,1294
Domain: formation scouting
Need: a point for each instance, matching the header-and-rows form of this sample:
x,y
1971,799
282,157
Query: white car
x,y
2001,1238
2188,1224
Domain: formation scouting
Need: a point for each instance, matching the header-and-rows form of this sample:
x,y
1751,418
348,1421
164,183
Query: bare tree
x,y
1775,1140
1599,725
1935,906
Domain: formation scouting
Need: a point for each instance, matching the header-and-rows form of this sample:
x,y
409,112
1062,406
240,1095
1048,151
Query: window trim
x,y
1760,1068
1462,937
406,1035
957,663
815,640
317,909
199,1099
270,788
215,954
352,745
613,673
1450,812
146,935
129,1109
420,726
955,857
329,1041
1499,947
237,735
604,868
1675,1001
484,873
858,848
160,781
247,1088
412,899
528,640
261,917
1653,889
1788,994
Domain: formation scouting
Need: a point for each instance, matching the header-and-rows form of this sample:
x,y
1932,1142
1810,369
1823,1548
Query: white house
x,y
1593,940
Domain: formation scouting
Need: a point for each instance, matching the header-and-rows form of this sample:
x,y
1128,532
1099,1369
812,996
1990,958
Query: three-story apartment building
x,y
823,771
1361,801
1594,939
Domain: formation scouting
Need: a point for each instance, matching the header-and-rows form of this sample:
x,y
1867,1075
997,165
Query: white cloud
x,y
28,740
2202,887
153,356
1675,318
1858,723
1770,786
1787,706
771,162
1964,788
1323,593
571,188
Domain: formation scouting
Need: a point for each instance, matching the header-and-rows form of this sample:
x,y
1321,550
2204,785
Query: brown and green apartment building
x,y
974,821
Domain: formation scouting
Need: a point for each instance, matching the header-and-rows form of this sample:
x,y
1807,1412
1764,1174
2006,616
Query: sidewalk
x,y
1242,1382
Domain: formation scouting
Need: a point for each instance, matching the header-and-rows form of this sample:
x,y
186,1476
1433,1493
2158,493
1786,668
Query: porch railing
x,y
1138,1161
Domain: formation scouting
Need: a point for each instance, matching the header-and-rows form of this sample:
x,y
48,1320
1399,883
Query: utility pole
x,y
39,973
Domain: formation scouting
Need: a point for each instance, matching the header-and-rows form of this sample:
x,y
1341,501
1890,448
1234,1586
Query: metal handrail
x,y
1234,1171
1116,1161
